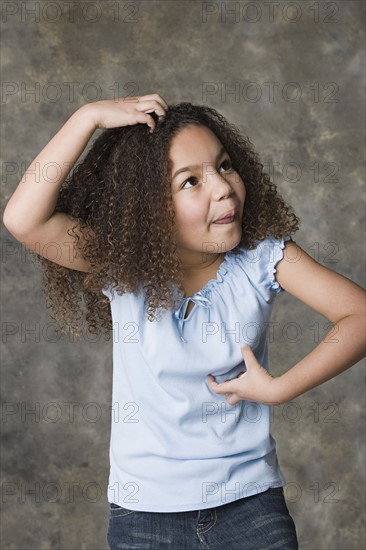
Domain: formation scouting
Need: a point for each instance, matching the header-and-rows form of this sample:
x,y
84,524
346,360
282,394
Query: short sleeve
x,y
275,252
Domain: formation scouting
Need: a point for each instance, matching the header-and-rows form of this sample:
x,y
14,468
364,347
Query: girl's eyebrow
x,y
189,168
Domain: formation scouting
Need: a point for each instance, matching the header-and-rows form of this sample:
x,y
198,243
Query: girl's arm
x,y
29,214
338,299
335,297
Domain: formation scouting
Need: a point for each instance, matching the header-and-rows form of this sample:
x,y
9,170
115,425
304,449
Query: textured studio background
x,y
291,76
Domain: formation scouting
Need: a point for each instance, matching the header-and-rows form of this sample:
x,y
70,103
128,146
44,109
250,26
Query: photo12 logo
x,y
82,11
292,491
269,11
66,92
271,92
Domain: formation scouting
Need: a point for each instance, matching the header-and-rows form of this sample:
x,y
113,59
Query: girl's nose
x,y
220,186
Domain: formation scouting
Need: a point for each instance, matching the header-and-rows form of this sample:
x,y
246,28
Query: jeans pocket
x,y
116,511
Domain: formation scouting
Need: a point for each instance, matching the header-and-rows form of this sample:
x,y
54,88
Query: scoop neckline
x,y
220,275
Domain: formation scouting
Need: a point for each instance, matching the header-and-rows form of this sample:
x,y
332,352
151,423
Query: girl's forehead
x,y
194,129
193,139
192,147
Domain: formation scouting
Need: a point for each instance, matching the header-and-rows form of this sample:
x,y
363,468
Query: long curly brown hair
x,y
122,190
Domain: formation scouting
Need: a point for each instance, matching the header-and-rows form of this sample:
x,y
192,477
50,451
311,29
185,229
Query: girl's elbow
x,y
15,227
8,221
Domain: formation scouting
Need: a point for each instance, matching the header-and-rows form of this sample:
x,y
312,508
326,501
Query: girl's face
x,y
204,188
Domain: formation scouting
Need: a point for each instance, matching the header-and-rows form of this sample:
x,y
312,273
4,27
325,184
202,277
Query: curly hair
x,y
122,190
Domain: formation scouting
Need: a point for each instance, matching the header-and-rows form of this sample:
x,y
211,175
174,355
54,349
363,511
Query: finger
x,y
158,110
160,117
225,387
144,118
150,106
129,99
161,100
233,399
249,357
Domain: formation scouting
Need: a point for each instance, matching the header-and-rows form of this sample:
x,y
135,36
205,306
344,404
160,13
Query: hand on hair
x,y
127,111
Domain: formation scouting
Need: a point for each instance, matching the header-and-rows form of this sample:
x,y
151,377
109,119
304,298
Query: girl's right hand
x,y
127,111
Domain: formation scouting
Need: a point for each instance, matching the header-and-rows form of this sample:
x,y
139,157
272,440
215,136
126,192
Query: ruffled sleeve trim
x,y
276,256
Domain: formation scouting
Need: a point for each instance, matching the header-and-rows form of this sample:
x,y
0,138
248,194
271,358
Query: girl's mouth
x,y
227,220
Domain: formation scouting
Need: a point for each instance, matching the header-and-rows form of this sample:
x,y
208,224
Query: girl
x,y
178,236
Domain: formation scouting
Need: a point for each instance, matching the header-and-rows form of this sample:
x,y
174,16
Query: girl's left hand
x,y
256,384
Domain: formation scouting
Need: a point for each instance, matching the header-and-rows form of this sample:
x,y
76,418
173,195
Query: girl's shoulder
x,y
259,263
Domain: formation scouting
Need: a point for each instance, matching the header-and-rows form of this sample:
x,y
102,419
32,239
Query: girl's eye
x,y
189,179
226,162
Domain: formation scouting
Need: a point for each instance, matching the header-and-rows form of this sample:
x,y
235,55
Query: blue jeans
x,y
257,522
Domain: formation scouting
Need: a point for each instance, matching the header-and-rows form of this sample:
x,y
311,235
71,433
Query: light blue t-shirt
x,y
175,444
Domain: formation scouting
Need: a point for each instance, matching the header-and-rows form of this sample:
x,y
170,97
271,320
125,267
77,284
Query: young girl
x,y
178,242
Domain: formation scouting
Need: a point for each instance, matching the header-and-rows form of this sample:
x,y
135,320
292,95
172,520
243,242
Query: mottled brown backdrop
x,y
291,76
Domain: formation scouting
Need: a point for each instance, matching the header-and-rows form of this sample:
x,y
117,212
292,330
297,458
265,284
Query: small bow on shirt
x,y
198,299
